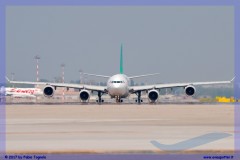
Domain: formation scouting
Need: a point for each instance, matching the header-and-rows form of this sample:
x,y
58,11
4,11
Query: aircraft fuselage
x,y
118,86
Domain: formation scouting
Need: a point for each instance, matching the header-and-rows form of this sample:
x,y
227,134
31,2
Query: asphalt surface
x,y
119,128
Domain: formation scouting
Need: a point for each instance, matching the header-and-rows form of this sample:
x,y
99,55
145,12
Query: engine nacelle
x,y
48,91
153,95
84,95
190,90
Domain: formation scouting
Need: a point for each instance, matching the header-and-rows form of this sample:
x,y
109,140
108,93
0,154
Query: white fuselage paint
x,y
118,86
21,92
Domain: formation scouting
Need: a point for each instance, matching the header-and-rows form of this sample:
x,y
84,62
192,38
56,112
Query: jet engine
x,y
48,91
190,90
84,95
153,95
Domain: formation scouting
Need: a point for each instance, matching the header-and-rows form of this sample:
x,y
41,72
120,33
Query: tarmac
x,y
185,128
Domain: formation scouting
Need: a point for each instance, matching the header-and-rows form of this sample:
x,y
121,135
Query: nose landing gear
x,y
118,99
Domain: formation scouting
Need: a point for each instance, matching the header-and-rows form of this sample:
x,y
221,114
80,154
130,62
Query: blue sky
x,y
181,43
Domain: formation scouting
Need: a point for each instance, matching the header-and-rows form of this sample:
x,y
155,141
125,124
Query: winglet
x,y
7,79
232,79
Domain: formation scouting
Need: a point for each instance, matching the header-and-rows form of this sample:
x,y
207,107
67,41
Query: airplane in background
x,y
20,92
118,87
2,94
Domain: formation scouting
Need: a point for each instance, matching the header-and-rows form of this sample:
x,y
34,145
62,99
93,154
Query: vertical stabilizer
x,y
121,60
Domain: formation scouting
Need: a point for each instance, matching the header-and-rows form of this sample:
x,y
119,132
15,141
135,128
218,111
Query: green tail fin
x,y
121,60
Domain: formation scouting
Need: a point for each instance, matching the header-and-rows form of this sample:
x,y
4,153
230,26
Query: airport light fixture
x,y
12,77
37,58
63,67
81,76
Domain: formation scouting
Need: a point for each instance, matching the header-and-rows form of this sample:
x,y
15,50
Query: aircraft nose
x,y
119,89
116,85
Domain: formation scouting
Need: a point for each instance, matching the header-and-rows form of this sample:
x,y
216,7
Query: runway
x,y
118,128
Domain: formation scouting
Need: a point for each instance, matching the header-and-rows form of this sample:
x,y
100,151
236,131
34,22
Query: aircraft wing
x,y
67,85
173,85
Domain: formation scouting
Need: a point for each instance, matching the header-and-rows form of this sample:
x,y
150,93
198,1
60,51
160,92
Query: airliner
x,y
118,87
21,92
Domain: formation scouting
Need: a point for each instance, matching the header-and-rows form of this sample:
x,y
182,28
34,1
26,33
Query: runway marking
x,y
69,132
191,143
31,121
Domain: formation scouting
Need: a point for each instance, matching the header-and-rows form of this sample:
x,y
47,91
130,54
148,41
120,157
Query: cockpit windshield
x,y
117,81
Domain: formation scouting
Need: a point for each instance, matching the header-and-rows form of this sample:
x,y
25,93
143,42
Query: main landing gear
x,y
138,100
100,100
